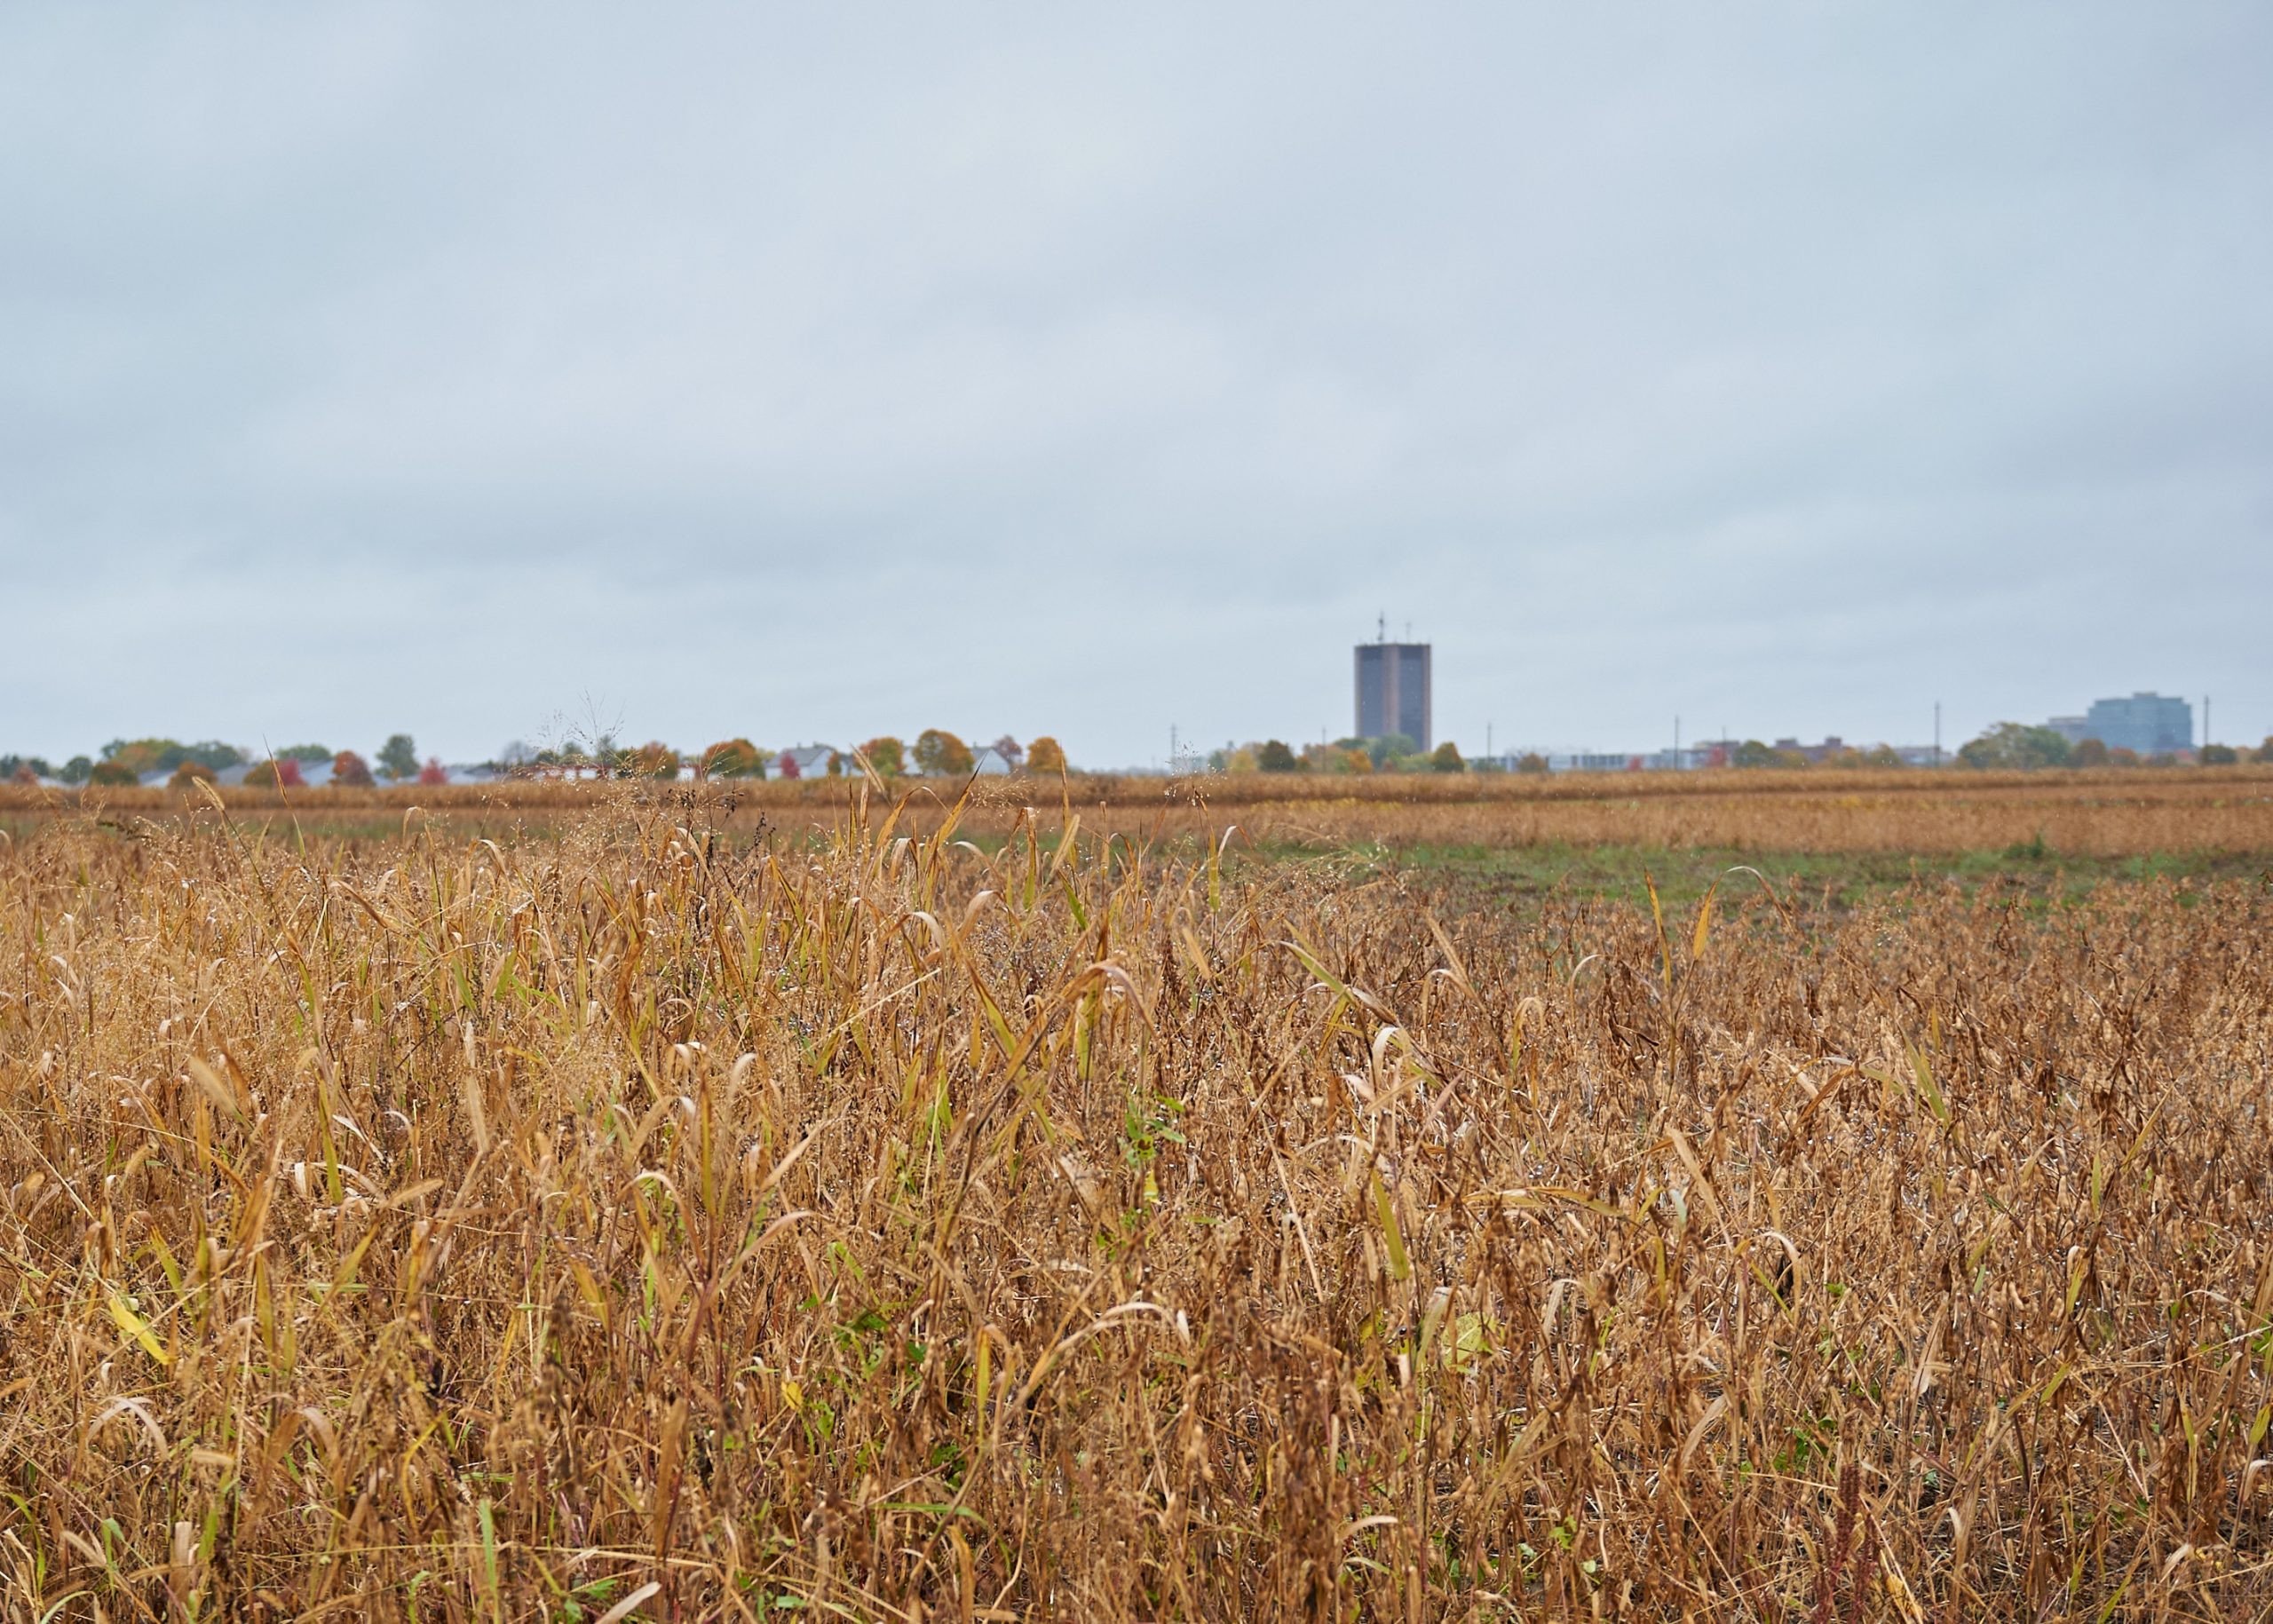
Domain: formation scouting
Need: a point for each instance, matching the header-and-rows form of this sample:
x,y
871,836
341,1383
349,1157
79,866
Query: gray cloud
x,y
820,374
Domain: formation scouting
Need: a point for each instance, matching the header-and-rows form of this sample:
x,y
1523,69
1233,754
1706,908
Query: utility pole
x,y
1938,732
2206,721
1676,741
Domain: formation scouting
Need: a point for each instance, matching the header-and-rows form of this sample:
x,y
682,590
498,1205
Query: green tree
x,y
1390,748
887,755
2012,746
140,756
1336,758
1273,755
2219,755
654,759
2264,753
1752,753
305,752
1532,762
114,775
1045,754
79,769
940,754
398,757
1446,758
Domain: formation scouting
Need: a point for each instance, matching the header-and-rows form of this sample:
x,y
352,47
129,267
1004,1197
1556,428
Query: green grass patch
x,y
1514,874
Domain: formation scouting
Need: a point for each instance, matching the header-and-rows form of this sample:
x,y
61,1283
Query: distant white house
x,y
990,762
313,775
810,761
454,772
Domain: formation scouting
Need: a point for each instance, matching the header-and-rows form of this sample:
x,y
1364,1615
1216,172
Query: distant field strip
x,y
2101,814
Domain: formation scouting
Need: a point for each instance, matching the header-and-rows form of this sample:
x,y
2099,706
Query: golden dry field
x,y
597,1206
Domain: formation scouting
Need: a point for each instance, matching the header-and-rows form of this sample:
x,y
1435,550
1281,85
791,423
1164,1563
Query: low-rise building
x,y
1814,754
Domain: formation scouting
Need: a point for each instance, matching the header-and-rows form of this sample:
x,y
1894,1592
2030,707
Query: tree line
x,y
129,761
1388,753
936,753
2015,745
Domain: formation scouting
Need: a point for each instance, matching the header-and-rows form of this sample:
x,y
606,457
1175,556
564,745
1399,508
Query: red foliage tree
x,y
277,771
432,772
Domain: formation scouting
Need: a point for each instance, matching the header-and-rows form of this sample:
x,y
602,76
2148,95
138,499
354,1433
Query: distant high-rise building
x,y
2151,724
1393,694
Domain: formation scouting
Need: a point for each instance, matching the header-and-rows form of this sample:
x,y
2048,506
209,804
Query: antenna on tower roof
x,y
1381,634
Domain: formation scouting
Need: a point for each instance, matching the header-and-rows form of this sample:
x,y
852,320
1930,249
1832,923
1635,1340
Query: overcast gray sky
x,y
816,372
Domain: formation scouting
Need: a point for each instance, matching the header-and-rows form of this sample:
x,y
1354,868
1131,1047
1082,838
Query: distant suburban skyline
x,y
809,373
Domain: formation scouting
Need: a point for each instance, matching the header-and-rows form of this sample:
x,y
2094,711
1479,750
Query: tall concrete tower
x,y
1393,690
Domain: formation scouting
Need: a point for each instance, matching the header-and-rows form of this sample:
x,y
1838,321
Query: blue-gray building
x,y
2151,724
1393,691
